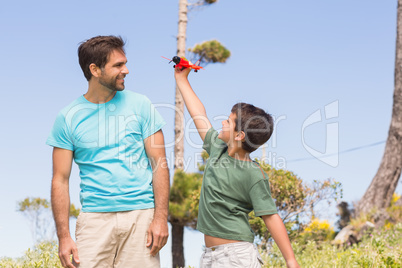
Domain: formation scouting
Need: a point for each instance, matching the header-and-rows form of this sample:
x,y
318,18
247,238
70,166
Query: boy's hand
x,y
181,74
292,264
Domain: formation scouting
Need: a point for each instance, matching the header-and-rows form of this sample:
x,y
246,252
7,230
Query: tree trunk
x,y
177,230
177,245
381,189
179,103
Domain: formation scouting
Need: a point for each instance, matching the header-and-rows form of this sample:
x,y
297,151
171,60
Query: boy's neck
x,y
239,153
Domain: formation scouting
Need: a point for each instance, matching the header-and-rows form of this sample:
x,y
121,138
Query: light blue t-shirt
x,y
108,144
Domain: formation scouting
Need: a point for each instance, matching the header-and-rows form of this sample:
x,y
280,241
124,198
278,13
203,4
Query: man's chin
x,y
120,88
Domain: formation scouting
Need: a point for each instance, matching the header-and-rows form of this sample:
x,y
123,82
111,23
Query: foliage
x,y
293,197
74,212
210,1
210,52
192,4
296,201
184,196
382,249
204,156
394,210
317,230
39,214
43,255
32,204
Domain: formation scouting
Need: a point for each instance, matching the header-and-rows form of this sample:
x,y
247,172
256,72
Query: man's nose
x,y
125,70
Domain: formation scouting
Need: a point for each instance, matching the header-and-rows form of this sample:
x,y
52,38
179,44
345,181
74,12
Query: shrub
x,y
43,255
317,230
295,200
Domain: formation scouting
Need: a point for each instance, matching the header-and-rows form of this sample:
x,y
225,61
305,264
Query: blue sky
x,y
292,58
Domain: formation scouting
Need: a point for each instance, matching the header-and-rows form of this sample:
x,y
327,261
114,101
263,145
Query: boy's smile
x,y
227,133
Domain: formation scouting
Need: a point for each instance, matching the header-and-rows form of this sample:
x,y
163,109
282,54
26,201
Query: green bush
x,y
43,255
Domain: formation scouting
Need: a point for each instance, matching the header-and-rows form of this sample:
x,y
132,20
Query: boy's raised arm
x,y
193,103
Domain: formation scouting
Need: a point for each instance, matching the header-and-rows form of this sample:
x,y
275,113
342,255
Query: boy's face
x,y
228,132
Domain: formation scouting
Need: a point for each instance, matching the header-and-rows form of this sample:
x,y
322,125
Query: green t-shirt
x,y
231,189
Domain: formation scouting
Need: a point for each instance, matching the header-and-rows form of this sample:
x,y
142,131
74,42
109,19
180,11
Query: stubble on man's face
x,y
115,83
114,72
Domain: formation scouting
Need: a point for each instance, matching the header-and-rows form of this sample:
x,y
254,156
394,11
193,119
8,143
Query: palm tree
x,y
207,53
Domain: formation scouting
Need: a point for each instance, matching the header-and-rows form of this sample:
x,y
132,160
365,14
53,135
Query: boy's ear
x,y
240,136
95,70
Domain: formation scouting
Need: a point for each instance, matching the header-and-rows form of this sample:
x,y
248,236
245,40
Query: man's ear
x,y
95,70
240,136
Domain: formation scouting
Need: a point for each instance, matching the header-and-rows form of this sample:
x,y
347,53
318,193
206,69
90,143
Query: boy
x,y
233,184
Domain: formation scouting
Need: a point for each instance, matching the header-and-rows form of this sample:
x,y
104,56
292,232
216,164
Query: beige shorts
x,y
232,255
114,239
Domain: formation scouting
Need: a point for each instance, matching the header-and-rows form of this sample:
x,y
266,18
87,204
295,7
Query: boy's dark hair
x,y
256,124
97,50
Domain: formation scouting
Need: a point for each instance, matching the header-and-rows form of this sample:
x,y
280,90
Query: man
x,y
115,138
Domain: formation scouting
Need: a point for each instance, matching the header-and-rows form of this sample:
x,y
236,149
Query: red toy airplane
x,y
184,63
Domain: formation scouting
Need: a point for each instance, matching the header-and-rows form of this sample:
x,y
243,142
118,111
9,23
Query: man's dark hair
x,y
256,124
97,50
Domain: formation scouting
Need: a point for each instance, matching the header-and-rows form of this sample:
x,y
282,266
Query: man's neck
x,y
98,94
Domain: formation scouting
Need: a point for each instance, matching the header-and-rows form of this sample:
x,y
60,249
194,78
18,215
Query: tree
x,y
379,193
210,52
177,225
179,103
183,210
39,213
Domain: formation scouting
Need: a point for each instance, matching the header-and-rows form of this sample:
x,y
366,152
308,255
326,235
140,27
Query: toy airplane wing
x,y
196,67
182,62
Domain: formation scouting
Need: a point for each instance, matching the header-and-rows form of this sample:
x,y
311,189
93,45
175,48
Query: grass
x,y
380,249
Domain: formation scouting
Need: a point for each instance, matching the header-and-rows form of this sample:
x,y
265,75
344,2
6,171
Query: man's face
x,y
112,75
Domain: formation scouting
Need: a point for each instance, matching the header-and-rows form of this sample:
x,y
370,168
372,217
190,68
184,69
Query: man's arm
x,y
278,231
62,161
193,103
158,230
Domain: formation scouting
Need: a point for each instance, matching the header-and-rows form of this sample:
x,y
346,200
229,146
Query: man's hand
x,y
66,248
157,235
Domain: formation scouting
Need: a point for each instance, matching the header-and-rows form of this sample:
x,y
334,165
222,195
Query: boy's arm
x,y
193,103
278,231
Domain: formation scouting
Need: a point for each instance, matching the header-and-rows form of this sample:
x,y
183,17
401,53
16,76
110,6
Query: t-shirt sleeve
x,y
261,199
152,121
209,140
60,135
